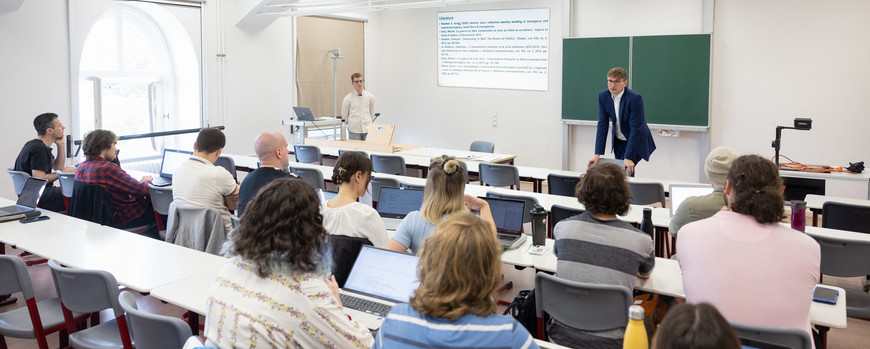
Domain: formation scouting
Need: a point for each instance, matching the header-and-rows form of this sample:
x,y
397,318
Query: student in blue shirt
x,y
444,194
459,270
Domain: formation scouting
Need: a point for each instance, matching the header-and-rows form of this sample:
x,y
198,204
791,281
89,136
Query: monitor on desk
x,y
680,192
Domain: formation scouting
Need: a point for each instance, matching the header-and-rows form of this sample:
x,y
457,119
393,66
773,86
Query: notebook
x,y
27,201
303,113
508,217
395,203
378,280
680,192
172,158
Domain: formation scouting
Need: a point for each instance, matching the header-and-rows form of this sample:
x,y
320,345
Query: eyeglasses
x,y
610,82
358,81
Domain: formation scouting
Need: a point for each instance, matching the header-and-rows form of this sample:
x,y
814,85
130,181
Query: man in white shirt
x,y
357,109
198,182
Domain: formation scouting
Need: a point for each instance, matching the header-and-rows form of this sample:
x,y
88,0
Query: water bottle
x,y
646,225
635,332
799,215
539,225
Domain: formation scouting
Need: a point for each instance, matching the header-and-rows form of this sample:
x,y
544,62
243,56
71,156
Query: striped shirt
x,y
404,327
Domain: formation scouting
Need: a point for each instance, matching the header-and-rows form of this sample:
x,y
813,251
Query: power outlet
x,y
494,119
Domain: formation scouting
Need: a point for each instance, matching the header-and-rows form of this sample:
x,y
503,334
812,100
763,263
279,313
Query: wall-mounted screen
x,y
507,49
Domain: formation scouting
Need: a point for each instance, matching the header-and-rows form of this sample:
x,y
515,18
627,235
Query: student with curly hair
x,y
459,270
443,195
343,215
743,245
596,247
275,292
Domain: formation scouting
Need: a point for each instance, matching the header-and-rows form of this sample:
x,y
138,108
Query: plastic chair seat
x,y
16,323
104,335
857,303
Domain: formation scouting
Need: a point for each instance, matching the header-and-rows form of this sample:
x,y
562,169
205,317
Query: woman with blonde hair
x,y
343,214
459,270
444,195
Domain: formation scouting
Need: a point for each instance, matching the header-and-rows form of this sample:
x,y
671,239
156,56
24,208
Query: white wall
x,y
402,73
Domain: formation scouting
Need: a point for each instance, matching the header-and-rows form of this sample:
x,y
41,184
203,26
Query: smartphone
x,y
33,219
825,295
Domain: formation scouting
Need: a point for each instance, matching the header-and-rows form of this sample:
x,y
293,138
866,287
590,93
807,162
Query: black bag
x,y
523,309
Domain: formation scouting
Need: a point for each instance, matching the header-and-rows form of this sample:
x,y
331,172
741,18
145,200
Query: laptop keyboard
x,y
391,223
364,305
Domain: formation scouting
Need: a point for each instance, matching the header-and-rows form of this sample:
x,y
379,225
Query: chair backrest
x,y
18,179
482,146
91,203
198,227
342,151
152,330
559,212
499,175
13,272
390,164
836,215
842,257
529,203
227,163
616,162
67,183
412,186
345,249
377,183
580,305
561,185
312,176
647,193
309,154
85,291
778,336
161,197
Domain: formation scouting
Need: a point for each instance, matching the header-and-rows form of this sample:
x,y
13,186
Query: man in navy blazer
x,y
622,107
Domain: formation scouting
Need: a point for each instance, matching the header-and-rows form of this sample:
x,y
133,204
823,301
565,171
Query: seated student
x,y
36,159
700,207
129,196
459,270
695,326
443,195
271,149
343,215
596,247
198,182
753,269
275,292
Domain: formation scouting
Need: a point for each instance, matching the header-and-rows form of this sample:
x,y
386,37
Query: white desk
x,y
464,155
816,202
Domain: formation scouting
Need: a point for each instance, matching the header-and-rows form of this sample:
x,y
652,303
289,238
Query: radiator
x,y
150,166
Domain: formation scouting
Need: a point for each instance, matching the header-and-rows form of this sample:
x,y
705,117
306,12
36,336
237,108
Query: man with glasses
x,y
357,109
632,140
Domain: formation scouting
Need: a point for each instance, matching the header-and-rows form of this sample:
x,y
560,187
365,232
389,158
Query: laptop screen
x,y
679,193
31,192
507,214
383,273
397,203
172,158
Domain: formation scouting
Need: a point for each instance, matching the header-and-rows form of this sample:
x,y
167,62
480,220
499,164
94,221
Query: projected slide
x,y
506,49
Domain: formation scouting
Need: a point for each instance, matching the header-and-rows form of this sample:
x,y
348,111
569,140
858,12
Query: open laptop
x,y
378,280
680,192
172,158
303,114
508,217
27,201
395,203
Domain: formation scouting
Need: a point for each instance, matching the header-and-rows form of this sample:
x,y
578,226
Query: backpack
x,y
523,310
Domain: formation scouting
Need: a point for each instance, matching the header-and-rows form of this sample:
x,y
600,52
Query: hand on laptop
x,y
146,179
474,203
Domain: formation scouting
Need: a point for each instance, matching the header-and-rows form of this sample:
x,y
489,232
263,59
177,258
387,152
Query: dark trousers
x,y
619,147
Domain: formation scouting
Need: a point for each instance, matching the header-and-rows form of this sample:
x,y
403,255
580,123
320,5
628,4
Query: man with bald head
x,y
271,149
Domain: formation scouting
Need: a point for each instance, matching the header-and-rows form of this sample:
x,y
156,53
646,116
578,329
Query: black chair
x,y
849,217
308,154
561,185
345,249
647,193
560,212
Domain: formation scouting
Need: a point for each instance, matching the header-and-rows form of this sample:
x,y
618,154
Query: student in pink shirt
x,y
742,261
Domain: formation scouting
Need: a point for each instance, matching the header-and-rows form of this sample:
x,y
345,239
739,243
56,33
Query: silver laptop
x,y
28,199
303,113
680,192
378,280
395,203
172,158
508,217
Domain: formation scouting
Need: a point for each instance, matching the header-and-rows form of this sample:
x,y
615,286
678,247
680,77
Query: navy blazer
x,y
631,122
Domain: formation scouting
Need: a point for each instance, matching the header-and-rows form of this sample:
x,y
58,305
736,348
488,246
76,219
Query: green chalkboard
x,y
585,63
671,72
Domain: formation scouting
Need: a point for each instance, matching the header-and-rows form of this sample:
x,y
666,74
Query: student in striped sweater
x,y
460,268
